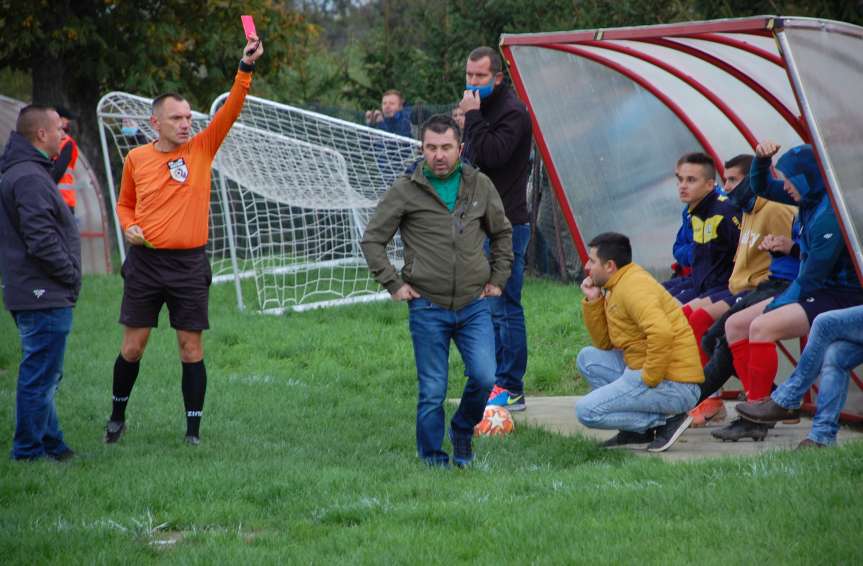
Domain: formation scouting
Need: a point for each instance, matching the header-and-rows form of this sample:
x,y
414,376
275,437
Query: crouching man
x,y
444,211
644,367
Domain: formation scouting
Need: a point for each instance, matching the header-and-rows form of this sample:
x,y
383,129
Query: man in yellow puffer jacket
x,y
644,366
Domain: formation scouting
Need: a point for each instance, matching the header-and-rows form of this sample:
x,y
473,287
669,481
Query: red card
x,y
249,26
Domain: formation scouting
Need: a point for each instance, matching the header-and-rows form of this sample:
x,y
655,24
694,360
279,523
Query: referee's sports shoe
x,y
114,430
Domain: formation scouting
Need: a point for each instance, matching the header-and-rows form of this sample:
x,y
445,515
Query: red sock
x,y
740,357
763,364
701,321
687,311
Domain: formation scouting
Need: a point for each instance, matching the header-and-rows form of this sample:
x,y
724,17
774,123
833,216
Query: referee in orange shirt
x,y
164,208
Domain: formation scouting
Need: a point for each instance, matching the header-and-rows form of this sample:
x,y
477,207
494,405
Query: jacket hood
x,y
801,169
19,150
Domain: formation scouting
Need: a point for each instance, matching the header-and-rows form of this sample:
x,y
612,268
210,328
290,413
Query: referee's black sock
x,y
125,374
194,389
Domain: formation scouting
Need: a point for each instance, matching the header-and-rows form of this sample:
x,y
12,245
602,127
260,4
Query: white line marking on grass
x,y
255,379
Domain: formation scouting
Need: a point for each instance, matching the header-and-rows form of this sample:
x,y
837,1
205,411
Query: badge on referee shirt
x,y
179,171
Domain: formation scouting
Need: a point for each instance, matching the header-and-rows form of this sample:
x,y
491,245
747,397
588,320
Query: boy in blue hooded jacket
x,y
826,280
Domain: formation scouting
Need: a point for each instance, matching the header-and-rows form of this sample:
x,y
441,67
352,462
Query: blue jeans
x,y
510,332
432,327
621,400
835,347
43,343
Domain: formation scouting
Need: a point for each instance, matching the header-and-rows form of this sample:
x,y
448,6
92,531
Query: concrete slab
x,y
557,414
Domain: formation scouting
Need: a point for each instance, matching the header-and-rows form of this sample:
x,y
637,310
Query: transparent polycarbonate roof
x,y
615,109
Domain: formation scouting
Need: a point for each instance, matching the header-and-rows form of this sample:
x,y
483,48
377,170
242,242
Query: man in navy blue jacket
x,y
715,223
40,263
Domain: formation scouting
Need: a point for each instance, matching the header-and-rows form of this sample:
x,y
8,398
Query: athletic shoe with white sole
x,y
667,434
505,398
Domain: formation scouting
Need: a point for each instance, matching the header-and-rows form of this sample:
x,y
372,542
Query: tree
x,y
77,51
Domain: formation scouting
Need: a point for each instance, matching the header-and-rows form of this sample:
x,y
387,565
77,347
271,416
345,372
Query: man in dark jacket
x,y
444,211
392,117
40,262
497,134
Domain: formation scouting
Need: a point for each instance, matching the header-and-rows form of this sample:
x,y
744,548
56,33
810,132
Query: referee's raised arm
x,y
213,136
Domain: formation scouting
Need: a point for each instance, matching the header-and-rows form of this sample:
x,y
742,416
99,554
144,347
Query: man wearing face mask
x,y
497,134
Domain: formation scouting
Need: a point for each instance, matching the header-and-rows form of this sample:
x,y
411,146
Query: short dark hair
x,y
493,56
31,118
395,92
699,158
612,246
159,100
439,124
742,161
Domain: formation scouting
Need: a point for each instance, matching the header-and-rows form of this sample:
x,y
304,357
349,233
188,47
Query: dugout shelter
x,y
613,109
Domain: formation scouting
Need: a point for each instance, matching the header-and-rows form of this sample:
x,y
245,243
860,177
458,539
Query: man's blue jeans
x,y
43,343
510,332
835,347
432,327
621,400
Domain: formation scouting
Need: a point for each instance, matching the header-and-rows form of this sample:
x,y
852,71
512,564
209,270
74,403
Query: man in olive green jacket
x,y
444,211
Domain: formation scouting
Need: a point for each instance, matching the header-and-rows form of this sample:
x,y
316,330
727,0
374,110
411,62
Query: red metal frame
x,y
771,99
760,25
688,79
646,85
742,45
553,175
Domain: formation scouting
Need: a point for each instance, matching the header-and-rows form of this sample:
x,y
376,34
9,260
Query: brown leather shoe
x,y
809,443
766,411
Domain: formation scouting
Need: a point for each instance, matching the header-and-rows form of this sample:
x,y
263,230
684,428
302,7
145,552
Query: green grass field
x,y
308,457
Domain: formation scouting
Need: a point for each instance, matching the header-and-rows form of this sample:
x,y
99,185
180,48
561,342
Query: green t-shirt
x,y
446,188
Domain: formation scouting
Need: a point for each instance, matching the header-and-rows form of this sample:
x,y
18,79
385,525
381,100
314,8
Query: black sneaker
x,y
667,434
192,440
114,430
741,428
628,437
462,449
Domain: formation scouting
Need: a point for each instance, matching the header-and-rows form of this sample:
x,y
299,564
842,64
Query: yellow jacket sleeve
x,y
597,325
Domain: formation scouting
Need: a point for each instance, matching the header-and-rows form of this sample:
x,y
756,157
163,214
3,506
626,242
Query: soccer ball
x,y
496,421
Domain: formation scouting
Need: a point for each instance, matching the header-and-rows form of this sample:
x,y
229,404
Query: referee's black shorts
x,y
180,278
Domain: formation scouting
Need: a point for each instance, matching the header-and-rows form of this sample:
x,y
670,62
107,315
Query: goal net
x,y
301,187
292,193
